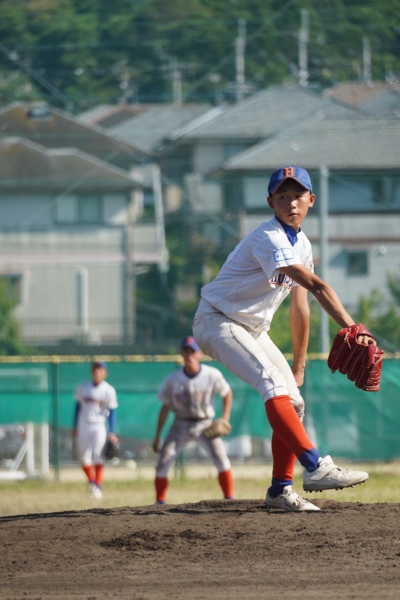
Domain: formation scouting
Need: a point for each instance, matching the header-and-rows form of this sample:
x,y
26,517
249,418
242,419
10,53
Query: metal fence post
x,y
56,419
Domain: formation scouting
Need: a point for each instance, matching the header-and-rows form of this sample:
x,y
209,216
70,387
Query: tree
x,y
10,337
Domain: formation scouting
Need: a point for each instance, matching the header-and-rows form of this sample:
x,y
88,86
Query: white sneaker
x,y
95,492
330,477
289,500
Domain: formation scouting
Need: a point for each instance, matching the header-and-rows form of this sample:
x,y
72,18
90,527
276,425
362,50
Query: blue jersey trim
x,y
111,420
76,415
291,233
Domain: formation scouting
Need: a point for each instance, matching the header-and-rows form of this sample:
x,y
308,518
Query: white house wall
x,y
207,157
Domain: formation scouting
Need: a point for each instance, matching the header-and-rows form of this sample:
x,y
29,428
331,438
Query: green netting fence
x,y
341,420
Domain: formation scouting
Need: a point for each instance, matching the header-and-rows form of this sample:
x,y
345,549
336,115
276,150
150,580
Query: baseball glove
x,y
361,363
111,450
217,428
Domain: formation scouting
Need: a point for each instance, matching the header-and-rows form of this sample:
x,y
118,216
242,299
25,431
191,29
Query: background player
x,y
96,400
189,394
234,316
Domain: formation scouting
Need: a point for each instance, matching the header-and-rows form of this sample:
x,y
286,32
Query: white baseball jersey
x,y
193,397
96,401
250,287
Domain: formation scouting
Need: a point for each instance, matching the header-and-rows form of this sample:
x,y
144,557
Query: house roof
x,y
54,128
109,116
354,143
378,98
27,165
266,113
151,127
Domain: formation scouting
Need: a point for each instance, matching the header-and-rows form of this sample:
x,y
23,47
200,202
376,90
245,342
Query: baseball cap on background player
x,y
297,173
99,363
189,342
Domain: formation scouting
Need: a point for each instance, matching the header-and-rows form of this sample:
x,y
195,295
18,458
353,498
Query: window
x,y
357,263
82,208
67,209
11,283
90,208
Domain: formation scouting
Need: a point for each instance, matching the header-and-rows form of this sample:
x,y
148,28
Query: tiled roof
x,y
148,129
266,113
358,142
27,165
58,129
356,93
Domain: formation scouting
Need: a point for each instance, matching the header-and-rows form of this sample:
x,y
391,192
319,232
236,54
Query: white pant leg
x,y
282,364
235,348
216,451
91,441
177,437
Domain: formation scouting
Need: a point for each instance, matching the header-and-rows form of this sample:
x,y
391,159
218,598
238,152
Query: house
x,y
71,241
188,154
54,128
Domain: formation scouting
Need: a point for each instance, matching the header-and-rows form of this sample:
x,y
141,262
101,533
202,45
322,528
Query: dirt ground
x,y
211,549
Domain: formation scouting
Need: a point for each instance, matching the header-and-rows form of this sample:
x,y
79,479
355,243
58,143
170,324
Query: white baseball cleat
x,y
289,500
95,492
330,477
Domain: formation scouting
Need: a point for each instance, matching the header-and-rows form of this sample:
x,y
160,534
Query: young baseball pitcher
x,y
232,323
96,400
189,394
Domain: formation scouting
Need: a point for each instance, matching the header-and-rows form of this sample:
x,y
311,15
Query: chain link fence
x,y
340,419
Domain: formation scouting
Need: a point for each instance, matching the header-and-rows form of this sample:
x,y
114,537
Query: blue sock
x,y
278,485
310,459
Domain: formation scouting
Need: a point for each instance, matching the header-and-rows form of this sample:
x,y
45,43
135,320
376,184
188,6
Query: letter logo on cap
x,y
288,172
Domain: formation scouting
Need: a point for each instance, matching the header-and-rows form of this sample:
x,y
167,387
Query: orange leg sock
x,y
226,482
161,484
283,459
89,472
286,424
99,475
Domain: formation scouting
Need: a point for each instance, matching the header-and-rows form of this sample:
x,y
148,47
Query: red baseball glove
x,y
362,363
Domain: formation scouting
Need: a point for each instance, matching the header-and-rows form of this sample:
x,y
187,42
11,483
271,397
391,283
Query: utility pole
x,y
240,45
367,61
303,49
323,252
176,82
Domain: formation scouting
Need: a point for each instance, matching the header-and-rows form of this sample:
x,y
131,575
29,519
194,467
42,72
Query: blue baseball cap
x,y
296,173
99,363
189,342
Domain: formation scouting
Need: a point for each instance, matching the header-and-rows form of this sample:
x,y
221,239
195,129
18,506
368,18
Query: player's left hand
x,y
113,438
298,375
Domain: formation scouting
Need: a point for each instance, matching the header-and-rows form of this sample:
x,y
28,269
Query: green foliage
x,y
381,318
10,338
96,51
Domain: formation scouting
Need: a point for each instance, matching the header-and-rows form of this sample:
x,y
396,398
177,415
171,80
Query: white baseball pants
x,y
253,357
183,431
91,441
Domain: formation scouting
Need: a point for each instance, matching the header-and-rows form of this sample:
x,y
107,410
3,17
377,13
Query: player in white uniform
x,y
189,394
96,401
233,319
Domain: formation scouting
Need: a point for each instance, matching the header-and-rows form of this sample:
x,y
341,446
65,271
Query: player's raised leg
x,y
236,349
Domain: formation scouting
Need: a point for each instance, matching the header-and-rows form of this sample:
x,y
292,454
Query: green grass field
x,y
35,496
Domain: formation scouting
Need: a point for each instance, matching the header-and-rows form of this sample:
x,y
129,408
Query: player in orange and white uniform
x,y
189,394
96,401
232,323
